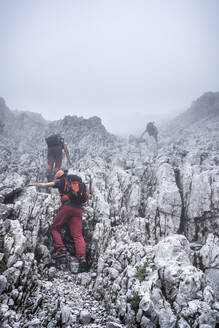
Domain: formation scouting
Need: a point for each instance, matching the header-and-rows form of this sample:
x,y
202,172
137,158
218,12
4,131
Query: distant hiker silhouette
x,y
73,193
2,125
56,146
152,130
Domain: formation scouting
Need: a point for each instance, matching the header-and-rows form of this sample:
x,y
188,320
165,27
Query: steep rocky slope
x,y
151,226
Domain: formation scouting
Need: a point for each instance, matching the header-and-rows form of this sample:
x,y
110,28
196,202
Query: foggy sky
x,y
126,61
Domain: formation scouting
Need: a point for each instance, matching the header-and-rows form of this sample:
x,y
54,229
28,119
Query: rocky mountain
x,y
151,225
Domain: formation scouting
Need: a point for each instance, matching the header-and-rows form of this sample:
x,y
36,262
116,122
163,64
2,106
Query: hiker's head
x,y
59,174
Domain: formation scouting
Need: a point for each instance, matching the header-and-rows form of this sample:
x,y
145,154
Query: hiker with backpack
x,y
73,193
152,130
56,146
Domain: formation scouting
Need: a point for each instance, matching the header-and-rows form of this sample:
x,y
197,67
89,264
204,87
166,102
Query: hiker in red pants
x,y
56,146
73,218
70,213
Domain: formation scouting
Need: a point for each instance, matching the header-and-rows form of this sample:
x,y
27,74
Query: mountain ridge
x,y
151,228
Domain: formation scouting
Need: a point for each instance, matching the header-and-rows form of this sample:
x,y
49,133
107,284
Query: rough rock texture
x,y
151,225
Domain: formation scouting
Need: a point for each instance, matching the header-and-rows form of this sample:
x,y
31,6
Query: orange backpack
x,y
76,189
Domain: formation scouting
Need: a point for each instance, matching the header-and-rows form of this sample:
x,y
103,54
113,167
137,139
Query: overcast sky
x,y
126,61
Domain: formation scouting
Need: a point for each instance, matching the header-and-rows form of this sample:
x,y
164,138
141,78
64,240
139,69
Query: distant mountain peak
x,y
207,104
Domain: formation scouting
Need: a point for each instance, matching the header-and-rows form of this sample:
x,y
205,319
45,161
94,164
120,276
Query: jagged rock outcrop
x,y
158,285
151,225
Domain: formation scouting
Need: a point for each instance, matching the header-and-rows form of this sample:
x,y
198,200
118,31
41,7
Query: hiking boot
x,y
82,265
59,253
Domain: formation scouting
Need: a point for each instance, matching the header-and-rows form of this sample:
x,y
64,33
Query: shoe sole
x,y
83,268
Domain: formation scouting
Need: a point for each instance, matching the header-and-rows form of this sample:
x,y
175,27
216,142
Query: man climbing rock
x,y
152,130
56,146
70,214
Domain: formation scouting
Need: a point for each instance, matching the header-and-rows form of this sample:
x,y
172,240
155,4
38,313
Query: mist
x,y
128,62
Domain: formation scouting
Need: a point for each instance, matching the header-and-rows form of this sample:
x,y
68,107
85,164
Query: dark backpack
x,y
76,189
55,141
151,129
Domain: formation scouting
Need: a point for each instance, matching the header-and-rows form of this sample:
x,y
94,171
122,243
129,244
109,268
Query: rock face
x,y
151,225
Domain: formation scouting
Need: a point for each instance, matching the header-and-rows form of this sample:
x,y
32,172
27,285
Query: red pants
x,y
54,161
73,218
